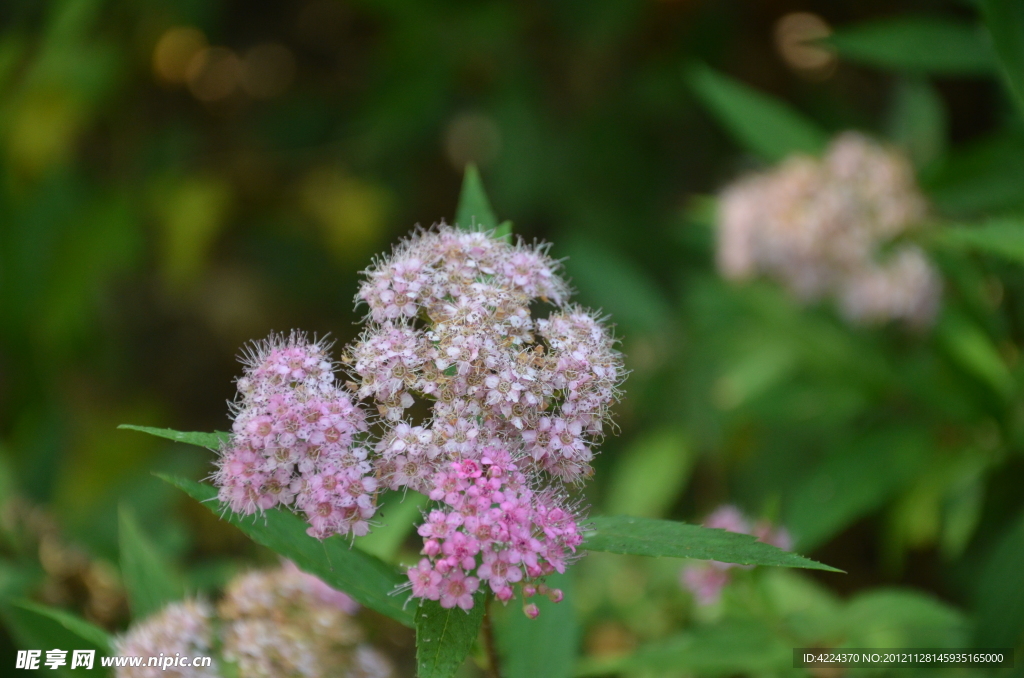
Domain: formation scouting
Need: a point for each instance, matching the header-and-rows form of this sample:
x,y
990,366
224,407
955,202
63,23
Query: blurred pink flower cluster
x,y
269,624
824,227
706,579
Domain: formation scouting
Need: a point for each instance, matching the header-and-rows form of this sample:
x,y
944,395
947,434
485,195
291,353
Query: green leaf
x,y
760,123
623,288
1003,237
545,646
208,440
367,579
974,351
647,537
730,648
855,479
504,231
474,212
892,617
920,44
80,628
150,581
981,176
650,475
1004,20
445,637
1000,592
399,513
919,121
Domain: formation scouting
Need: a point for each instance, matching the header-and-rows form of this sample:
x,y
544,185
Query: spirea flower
x,y
706,579
296,440
279,623
184,629
284,623
450,322
493,529
517,406
820,227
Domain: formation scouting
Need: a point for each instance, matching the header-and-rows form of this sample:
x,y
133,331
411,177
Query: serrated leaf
x,y
918,44
1004,20
545,646
208,440
760,123
445,637
474,212
648,537
149,580
369,580
1003,237
80,628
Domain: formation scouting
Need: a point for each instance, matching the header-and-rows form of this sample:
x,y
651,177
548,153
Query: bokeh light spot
x,y
796,34
174,52
214,74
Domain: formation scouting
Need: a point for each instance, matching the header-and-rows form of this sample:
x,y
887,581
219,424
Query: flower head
x,y
819,227
295,440
269,624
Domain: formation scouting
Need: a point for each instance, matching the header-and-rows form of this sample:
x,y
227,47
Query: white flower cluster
x,y
821,227
278,623
450,323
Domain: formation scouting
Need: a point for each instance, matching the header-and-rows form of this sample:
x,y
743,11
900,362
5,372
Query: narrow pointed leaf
x,y
918,44
649,537
367,579
150,581
1002,237
445,637
504,231
474,212
209,440
87,631
760,123
1004,20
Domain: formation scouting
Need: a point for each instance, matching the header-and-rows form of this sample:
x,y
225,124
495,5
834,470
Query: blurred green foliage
x,y
177,178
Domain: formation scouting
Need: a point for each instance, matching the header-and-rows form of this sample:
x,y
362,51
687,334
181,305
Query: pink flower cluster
x,y
516,406
822,228
295,441
706,579
494,529
451,323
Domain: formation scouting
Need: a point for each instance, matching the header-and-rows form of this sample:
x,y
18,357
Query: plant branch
x,y
493,663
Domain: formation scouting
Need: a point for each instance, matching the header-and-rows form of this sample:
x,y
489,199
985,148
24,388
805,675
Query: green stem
x,y
493,663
